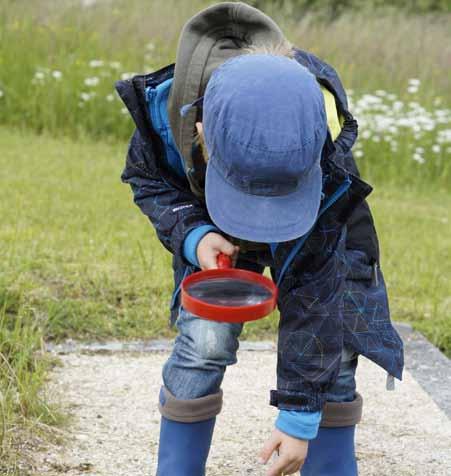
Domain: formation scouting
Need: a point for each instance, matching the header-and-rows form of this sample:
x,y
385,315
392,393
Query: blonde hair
x,y
283,48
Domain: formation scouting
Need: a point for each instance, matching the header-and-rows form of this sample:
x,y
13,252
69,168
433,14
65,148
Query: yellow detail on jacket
x,y
331,111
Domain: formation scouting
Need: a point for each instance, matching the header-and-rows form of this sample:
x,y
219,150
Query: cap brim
x,y
263,219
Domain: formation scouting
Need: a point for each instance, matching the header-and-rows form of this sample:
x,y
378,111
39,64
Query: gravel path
x,y
116,421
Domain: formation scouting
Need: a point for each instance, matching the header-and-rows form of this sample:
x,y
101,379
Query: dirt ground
x,y
115,426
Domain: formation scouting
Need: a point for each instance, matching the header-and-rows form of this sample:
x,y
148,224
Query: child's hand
x,y
292,453
210,246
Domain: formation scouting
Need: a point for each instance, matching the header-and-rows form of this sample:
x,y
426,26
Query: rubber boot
x,y
331,453
184,447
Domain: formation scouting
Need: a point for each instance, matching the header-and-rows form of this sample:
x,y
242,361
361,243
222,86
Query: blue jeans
x,y
203,349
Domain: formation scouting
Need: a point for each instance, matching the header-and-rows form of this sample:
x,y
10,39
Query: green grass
x,y
25,415
88,263
413,227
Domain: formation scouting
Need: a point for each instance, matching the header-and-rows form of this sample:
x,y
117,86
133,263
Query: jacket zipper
x,y
342,189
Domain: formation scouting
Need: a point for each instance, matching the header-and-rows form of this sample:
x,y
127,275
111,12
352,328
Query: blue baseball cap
x,y
264,125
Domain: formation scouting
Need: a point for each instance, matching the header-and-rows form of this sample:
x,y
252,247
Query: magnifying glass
x,y
228,294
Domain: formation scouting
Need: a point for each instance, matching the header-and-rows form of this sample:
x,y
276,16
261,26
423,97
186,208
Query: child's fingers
x,y
226,247
210,246
278,467
293,468
268,448
210,260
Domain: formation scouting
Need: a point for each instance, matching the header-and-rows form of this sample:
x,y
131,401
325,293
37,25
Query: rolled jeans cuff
x,y
190,410
338,414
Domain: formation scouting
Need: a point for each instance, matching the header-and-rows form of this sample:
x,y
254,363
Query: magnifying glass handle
x,y
223,261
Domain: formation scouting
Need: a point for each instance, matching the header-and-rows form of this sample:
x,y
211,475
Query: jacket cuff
x,y
299,424
285,400
192,240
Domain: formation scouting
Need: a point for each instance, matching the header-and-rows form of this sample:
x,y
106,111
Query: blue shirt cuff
x,y
299,424
192,240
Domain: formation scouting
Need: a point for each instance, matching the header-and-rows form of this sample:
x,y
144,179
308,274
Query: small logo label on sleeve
x,y
182,207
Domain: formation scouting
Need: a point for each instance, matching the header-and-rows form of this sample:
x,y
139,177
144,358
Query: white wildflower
x,y
150,46
444,136
125,76
358,154
124,110
57,74
366,134
110,98
442,116
436,148
412,89
115,65
39,77
398,105
418,158
1,93
93,81
414,82
96,63
368,100
393,129
86,96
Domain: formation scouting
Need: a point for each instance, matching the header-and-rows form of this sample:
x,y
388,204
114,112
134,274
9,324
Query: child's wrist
x,y
299,424
191,241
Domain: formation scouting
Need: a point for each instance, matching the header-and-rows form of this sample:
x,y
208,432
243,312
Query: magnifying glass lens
x,y
229,292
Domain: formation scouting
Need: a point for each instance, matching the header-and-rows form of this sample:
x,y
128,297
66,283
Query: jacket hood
x,y
207,40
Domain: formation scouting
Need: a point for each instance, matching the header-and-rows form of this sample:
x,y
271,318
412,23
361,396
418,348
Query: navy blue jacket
x,y
331,294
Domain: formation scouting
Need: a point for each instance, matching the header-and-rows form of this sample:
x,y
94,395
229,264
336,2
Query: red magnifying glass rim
x,y
219,313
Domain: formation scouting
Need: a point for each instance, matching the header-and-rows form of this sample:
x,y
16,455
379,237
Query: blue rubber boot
x,y
184,447
331,453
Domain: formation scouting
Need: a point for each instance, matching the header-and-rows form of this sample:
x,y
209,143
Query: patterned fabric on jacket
x,y
333,292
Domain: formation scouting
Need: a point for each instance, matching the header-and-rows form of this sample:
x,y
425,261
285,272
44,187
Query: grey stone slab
x,y
426,363
70,346
430,368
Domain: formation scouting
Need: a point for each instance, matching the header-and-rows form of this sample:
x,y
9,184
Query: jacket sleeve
x,y
310,339
168,202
